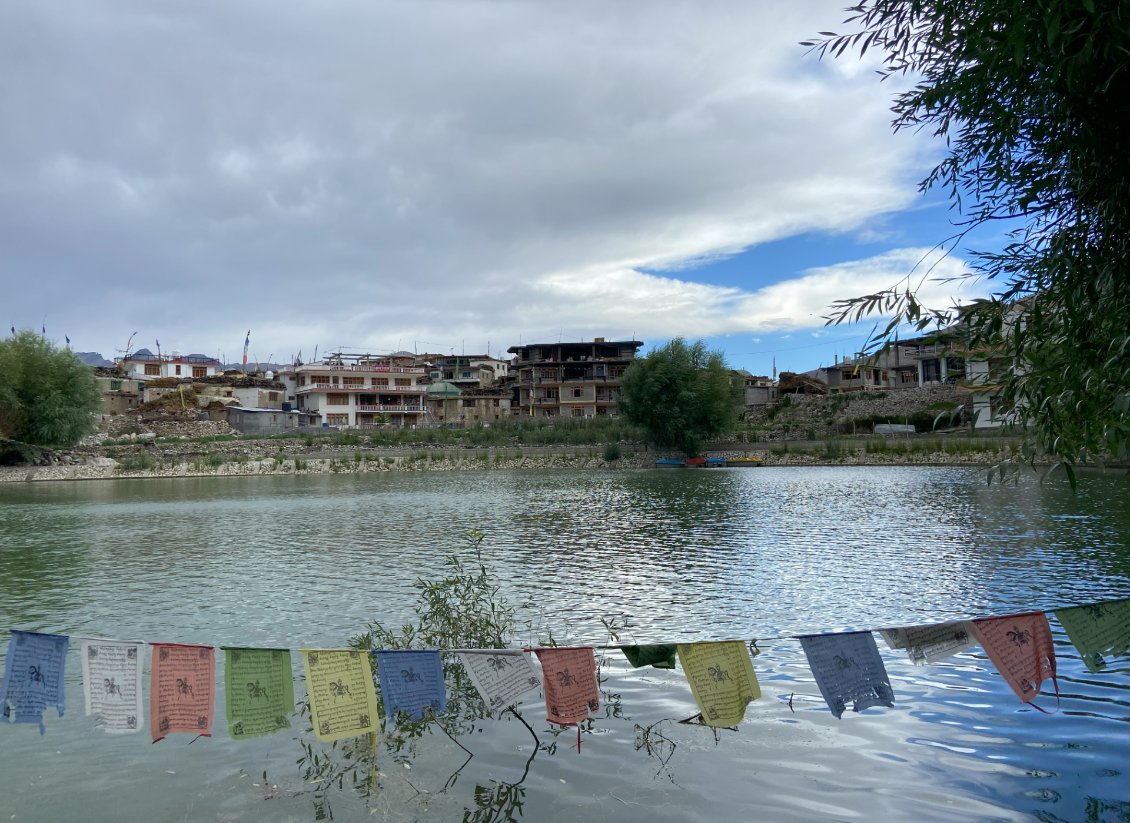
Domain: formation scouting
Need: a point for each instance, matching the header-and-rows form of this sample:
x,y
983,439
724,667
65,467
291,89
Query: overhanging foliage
x,y
1032,100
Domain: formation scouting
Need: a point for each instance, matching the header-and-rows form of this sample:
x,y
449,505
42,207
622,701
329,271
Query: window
x,y
578,392
908,377
380,382
337,419
847,375
199,371
353,381
115,385
578,412
469,404
178,371
153,369
337,400
403,382
272,395
302,380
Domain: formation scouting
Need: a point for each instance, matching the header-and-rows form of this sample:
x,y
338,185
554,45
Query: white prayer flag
x,y
111,684
500,675
929,644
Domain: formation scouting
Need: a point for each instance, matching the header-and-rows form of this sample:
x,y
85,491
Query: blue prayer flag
x,y
411,681
848,667
33,677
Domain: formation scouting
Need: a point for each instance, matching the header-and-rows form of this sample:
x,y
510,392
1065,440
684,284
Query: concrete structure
x,y
268,421
120,394
145,365
981,377
756,391
575,380
358,391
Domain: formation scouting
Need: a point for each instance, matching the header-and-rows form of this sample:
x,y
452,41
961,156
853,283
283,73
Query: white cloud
x,y
363,173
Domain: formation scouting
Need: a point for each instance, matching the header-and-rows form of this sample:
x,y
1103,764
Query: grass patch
x,y
140,462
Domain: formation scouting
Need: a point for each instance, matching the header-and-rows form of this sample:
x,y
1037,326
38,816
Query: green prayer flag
x,y
259,688
1097,628
659,656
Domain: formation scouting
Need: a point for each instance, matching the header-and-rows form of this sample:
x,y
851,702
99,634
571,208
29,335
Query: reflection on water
x,y
303,562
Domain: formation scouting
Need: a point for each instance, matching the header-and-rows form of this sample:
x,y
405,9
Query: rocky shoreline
x,y
360,461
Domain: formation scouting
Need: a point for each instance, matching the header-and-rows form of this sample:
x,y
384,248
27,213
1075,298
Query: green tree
x,y
49,398
1031,98
681,395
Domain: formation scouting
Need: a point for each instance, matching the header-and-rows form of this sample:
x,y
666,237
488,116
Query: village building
x,y
359,390
756,390
465,370
575,380
907,364
120,394
145,365
268,421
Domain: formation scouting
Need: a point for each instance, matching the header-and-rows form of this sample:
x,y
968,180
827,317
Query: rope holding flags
x,y
259,688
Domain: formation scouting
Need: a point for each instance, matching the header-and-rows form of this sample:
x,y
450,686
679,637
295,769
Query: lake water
x,y
679,555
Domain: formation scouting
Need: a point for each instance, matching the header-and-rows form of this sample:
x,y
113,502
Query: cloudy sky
x,y
448,176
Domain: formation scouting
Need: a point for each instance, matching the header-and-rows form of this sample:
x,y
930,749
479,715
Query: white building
x,y
145,365
358,391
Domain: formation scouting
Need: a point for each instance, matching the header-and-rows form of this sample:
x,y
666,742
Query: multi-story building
x,y
358,391
571,379
145,365
908,364
466,370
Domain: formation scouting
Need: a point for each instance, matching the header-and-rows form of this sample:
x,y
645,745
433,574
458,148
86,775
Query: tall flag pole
x,y
246,344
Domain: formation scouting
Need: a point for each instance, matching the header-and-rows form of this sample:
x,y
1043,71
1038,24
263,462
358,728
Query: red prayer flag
x,y
571,689
1020,646
181,690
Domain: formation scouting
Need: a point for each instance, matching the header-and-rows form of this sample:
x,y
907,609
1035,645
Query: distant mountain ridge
x,y
94,358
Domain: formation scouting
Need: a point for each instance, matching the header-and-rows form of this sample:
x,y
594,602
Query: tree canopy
x,y
1031,100
681,394
49,398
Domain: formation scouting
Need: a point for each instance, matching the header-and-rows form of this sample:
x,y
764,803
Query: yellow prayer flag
x,y
721,679
343,702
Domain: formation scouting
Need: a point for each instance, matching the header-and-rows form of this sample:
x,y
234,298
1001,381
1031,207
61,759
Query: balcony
x,y
366,369
383,407
327,387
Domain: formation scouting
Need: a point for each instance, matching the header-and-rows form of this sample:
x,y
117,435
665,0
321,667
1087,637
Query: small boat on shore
x,y
670,463
743,462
